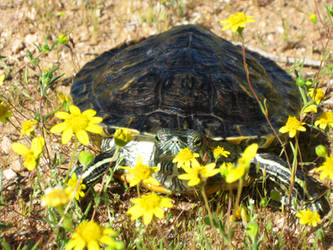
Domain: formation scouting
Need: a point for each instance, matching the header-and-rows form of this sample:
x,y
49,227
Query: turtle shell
x,y
186,78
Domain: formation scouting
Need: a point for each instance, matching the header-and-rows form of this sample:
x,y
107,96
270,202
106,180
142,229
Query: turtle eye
x,y
157,138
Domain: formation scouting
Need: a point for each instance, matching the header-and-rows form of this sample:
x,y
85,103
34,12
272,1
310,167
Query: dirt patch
x,y
282,28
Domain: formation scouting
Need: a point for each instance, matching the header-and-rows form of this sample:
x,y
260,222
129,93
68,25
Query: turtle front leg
x,y
305,188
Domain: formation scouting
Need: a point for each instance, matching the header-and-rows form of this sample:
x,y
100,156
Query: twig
x,y
283,59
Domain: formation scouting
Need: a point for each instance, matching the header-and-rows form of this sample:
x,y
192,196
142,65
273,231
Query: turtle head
x,y
169,142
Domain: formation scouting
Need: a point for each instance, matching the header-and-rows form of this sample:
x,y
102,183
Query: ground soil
x,y
281,28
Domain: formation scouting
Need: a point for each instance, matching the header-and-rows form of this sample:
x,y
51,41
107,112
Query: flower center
x,y
30,156
199,172
78,122
90,231
143,173
294,123
186,155
151,202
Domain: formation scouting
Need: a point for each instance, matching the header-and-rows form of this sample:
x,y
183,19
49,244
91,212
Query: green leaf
x,y
252,230
275,196
5,245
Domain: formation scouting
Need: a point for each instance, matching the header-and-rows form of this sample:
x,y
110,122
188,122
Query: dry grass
x,y
281,27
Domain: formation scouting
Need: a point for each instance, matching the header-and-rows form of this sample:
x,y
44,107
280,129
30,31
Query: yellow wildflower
x,y
232,173
237,22
63,98
311,108
308,217
324,120
4,112
77,123
149,205
55,197
47,69
198,173
292,126
89,234
31,155
313,18
319,94
185,157
241,213
326,169
28,127
248,155
220,151
71,187
141,173
122,136
63,39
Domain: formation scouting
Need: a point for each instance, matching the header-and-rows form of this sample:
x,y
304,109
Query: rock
x,y
17,46
9,174
6,145
16,166
31,39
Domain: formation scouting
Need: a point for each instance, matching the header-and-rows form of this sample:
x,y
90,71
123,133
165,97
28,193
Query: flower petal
x,y
147,217
30,164
159,213
135,212
94,128
74,110
193,182
58,128
96,119
66,136
311,108
83,137
93,245
283,129
19,148
37,145
62,115
152,181
292,133
89,112
166,202
301,128
107,240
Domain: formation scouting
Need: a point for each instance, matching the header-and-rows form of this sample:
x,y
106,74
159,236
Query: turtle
x,y
187,88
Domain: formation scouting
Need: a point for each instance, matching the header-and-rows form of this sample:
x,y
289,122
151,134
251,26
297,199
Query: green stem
x,y
265,112
71,163
303,95
39,178
114,157
239,192
203,193
294,169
